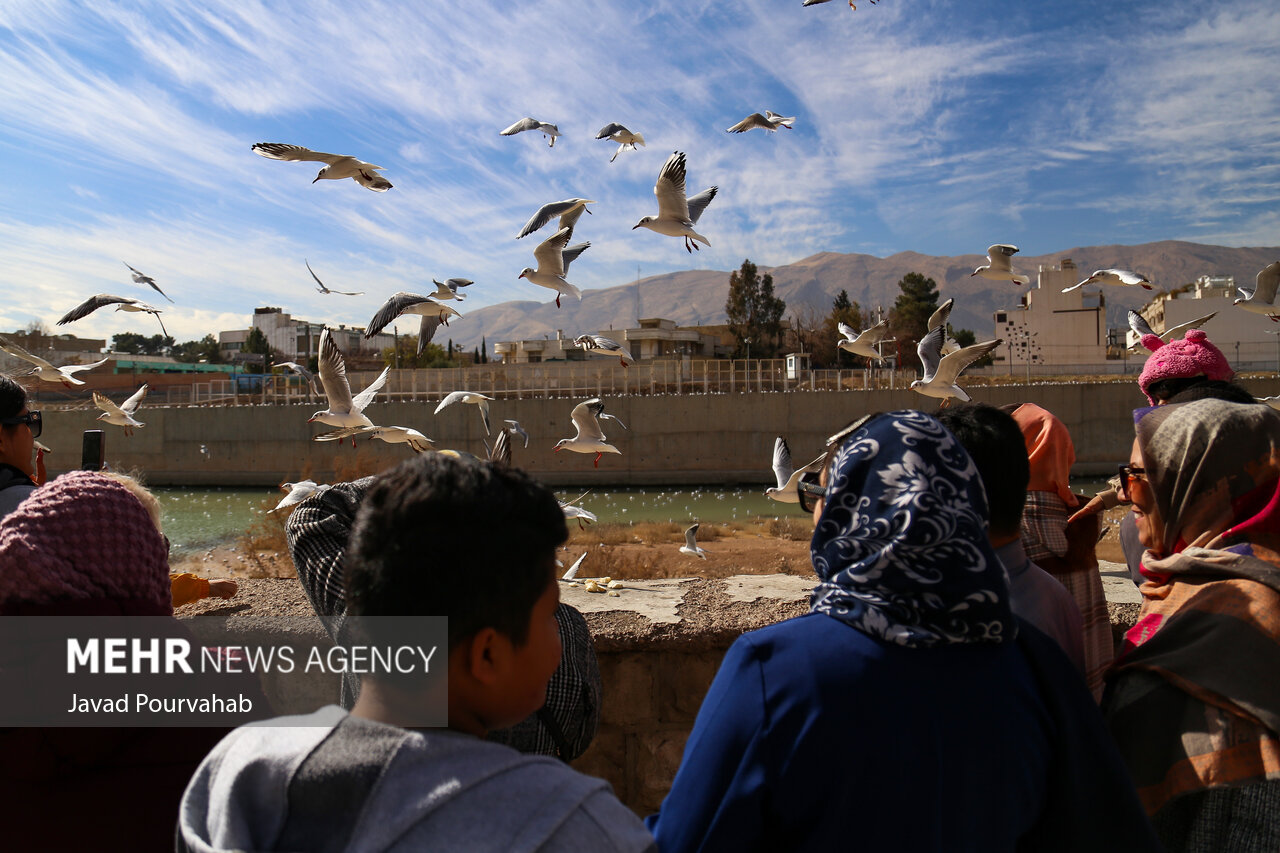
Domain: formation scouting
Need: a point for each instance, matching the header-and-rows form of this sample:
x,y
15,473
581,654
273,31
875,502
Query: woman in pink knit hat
x,y
1178,365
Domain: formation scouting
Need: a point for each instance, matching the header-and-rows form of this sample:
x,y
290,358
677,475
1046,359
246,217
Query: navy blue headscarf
x,y
901,545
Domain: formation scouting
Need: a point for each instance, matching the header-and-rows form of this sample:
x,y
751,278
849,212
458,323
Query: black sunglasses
x,y
1127,473
32,419
809,490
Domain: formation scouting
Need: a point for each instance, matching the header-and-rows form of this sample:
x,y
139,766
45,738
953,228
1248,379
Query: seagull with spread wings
x,y
999,265
402,303
619,134
141,278
554,256
1141,328
296,493
448,289
337,166
549,131
345,411
863,343
122,303
604,346
569,210
416,441
690,545
1114,278
787,474
480,401
677,214
320,284
770,121
1262,299
941,372
589,438
44,370
121,415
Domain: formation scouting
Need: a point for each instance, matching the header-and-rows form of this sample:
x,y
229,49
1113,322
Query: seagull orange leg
x,y
596,464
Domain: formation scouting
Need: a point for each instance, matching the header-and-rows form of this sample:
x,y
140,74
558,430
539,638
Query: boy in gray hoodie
x,y
438,535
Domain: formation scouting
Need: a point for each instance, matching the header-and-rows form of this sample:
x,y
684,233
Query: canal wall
x,y
671,440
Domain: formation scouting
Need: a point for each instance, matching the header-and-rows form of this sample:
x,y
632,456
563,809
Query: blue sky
x,y
923,126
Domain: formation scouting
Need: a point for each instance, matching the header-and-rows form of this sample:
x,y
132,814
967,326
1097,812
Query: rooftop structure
x,y
1248,340
654,338
299,340
1049,327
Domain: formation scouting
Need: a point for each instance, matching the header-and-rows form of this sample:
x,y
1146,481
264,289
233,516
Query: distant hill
x,y
698,296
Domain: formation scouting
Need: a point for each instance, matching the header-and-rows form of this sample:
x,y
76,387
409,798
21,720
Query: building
x,y
1052,328
1248,340
299,340
655,338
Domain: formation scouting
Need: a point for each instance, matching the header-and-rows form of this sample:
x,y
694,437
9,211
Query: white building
x,y
1051,328
655,338
299,340
1248,340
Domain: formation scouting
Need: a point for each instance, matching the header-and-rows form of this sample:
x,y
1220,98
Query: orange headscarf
x,y
1050,449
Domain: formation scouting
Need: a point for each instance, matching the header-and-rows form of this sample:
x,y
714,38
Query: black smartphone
x,y
93,451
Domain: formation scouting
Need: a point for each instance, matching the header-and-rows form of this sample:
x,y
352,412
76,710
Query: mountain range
x,y
697,297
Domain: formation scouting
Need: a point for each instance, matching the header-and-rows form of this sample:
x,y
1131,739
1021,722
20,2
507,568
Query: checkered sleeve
x,y
318,530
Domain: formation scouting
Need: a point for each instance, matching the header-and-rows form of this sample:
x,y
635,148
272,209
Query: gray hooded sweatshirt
x,y
331,782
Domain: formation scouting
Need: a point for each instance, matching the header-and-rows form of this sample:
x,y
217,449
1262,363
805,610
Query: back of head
x,y
12,397
451,535
83,537
994,442
1050,451
1213,389
1177,365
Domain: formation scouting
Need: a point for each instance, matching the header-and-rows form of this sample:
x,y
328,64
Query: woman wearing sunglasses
x,y
909,710
19,429
1194,699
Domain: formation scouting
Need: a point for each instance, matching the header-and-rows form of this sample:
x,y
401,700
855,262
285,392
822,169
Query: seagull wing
x,y
950,367
691,537
752,121
669,189
516,429
395,305
18,352
281,151
614,418
93,303
699,202
450,398
104,403
427,331
573,570
323,289
523,124
333,374
366,396
584,419
782,466
849,332
546,213
549,253
1001,249
571,253
1267,280
1170,334
455,283
501,450
76,368
1139,324
930,351
610,129
942,315
875,334
130,405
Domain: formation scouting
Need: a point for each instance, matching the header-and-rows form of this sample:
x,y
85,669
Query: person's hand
x,y
222,588
41,474
1095,506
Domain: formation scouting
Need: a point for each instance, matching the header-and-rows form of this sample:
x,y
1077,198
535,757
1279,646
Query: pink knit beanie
x,y
1192,356
82,536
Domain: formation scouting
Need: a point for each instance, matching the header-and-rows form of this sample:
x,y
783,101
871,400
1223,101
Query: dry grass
x,y
646,532
794,529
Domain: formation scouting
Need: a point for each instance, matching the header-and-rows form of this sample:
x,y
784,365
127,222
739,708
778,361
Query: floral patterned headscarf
x,y
901,546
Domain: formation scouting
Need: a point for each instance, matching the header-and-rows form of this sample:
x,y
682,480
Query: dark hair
x,y
994,441
449,535
12,397
1213,389
1165,390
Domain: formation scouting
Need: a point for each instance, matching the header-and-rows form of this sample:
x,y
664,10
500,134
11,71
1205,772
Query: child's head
x,y
450,535
1177,365
994,441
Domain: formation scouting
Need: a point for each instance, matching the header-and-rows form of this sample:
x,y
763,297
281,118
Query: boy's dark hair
x,y
994,441
12,397
1166,389
1215,389
450,535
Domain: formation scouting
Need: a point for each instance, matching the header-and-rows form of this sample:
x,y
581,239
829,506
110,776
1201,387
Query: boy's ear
x,y
488,654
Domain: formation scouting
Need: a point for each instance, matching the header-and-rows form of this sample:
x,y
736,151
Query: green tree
x,y
433,355
484,350
755,314
256,342
135,344
966,338
850,313
909,317
205,349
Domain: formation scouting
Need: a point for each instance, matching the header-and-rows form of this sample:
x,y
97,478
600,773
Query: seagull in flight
x,y
480,401
550,131
344,411
619,134
320,284
337,166
554,256
1115,278
941,372
296,493
501,450
140,278
402,303
417,442
307,375
770,121
676,214
122,303
1141,328
863,343
1262,299
569,210
449,288
999,265
604,346
570,510
573,570
45,371
121,415
851,6
786,474
690,545
940,318
589,438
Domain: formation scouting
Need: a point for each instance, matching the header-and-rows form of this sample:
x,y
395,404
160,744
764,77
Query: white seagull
x,y
770,121
940,318
122,303
1262,299
570,511
501,450
787,475
676,214
589,438
45,371
999,266
604,346
480,401
573,570
941,372
690,545
338,166
550,131
1141,328
1115,278
307,375
863,343
851,6
121,415
296,493
344,411
141,278
399,304
417,442
449,288
619,134
554,256
569,210
320,284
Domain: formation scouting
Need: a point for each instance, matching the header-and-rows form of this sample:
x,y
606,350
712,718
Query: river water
x,y
201,518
